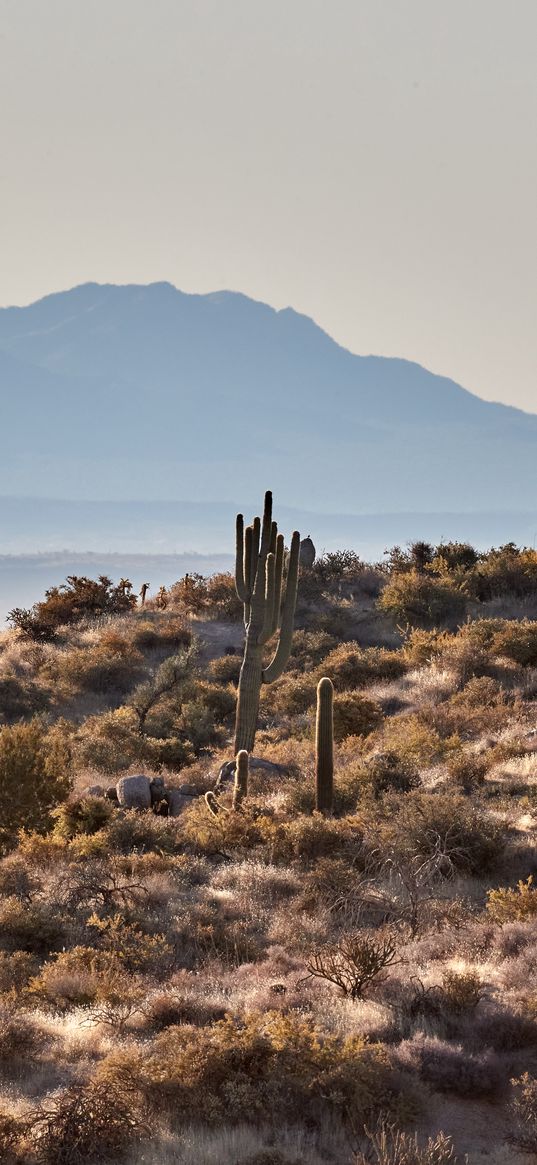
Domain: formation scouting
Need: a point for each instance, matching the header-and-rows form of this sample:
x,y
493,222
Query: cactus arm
x,y
273,537
266,533
324,747
278,577
248,536
256,535
240,585
240,788
266,630
283,650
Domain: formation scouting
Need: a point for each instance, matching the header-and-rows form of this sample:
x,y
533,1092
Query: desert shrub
x,y
520,905
226,669
20,698
207,834
517,641
422,646
102,668
82,815
11,1133
507,570
387,1145
90,1123
222,601
450,557
76,599
272,1065
351,666
35,775
442,828
30,926
220,701
355,715
478,691
168,630
289,696
448,1067
171,676
468,770
462,991
20,1038
143,833
387,772
523,1107
166,1009
309,838
416,741
356,961
309,648
17,878
335,565
112,743
16,970
420,600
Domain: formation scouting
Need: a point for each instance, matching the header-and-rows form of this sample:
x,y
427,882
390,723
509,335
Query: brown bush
x,y
355,715
351,666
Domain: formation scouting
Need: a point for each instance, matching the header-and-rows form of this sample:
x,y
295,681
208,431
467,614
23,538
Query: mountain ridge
x,y
105,384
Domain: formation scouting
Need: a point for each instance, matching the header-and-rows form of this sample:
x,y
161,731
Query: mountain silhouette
x,y
133,391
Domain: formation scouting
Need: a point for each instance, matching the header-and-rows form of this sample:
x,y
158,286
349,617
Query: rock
x,y
134,792
177,801
307,553
189,790
111,794
227,770
93,791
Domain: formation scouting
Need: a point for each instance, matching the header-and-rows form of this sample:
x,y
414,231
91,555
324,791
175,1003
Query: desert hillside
x,y
201,966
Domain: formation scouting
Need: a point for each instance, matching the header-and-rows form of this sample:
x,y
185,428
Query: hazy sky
x,y
373,163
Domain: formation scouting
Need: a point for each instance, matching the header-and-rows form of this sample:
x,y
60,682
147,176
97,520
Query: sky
x,y
372,163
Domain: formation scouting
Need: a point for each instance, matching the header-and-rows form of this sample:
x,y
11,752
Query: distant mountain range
x,y
146,392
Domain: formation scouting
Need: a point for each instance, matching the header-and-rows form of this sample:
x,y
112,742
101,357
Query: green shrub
x,y
84,815
351,666
35,775
420,600
269,1066
76,599
507,905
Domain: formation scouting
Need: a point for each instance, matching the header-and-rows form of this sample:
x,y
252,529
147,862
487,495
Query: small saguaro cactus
x,y
259,580
324,747
240,788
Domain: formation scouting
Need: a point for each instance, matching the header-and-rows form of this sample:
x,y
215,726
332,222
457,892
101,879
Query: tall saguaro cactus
x,y
324,747
259,582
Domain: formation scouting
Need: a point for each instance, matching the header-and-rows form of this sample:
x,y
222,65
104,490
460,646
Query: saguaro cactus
x,y
324,747
258,579
240,788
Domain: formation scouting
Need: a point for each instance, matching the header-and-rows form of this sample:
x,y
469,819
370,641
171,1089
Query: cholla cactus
x,y
258,579
213,804
240,789
324,747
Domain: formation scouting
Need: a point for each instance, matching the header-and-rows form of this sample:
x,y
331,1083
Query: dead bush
x,y
90,1122
356,962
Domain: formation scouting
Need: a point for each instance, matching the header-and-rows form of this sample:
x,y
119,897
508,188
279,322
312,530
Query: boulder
x,y
307,553
177,801
93,791
134,792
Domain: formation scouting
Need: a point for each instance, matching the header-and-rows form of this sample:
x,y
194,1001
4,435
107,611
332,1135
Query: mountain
x,y
147,392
